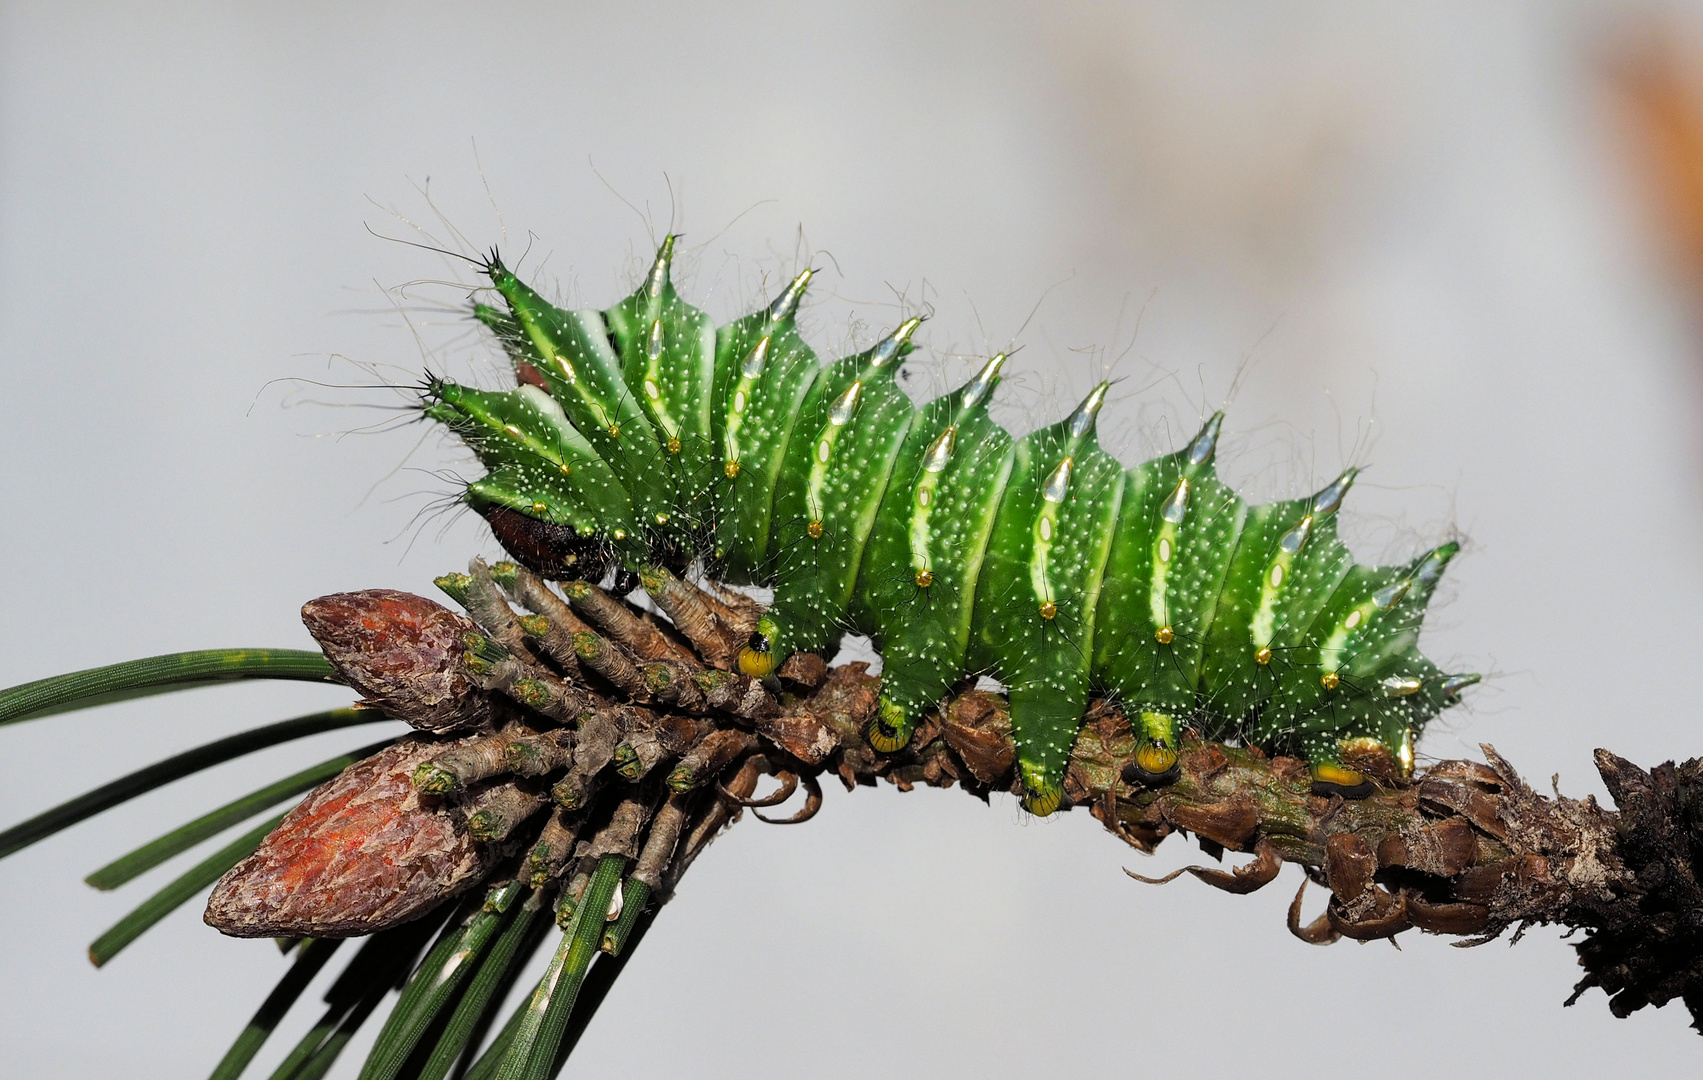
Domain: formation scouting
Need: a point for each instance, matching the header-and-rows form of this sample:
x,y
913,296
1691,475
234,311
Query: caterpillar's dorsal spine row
x,y
645,435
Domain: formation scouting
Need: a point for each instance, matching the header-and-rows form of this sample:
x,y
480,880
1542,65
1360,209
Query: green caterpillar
x,y
644,434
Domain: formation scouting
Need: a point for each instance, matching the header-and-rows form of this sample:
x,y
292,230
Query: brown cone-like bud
x,y
362,853
403,652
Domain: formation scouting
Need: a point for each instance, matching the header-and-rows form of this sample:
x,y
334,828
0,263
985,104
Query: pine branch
x,y
1465,848
583,756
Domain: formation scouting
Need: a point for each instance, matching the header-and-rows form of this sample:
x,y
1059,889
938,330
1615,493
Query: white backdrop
x,y
1411,224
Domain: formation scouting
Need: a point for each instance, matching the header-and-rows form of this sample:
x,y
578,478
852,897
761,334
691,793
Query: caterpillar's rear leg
x,y
1331,776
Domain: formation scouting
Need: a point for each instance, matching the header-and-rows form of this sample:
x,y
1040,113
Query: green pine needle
x,y
437,982
160,773
149,855
162,903
635,895
532,1054
298,1057
309,961
384,958
158,674
496,976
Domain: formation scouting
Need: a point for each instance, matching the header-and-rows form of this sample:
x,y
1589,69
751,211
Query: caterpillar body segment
x,y
668,355
764,371
844,446
1287,564
643,435
541,468
1178,528
1367,680
918,582
1036,599
571,352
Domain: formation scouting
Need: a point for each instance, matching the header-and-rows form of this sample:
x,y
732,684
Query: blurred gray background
x,y
1424,240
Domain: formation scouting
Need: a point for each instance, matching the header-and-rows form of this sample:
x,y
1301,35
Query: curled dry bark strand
x,y
653,764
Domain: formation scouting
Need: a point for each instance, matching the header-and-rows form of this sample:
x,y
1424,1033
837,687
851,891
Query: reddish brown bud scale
x,y
362,853
403,652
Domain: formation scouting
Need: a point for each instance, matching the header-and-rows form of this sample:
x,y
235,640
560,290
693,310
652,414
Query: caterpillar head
x,y
550,550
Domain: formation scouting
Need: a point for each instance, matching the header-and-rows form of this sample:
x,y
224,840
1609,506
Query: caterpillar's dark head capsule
x,y
544,547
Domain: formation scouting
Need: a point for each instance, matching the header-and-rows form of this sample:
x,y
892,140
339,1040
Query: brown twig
x,y
1465,848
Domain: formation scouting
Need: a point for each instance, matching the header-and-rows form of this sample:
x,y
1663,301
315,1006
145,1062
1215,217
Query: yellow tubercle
x,y
1155,759
758,658
1044,802
887,731
757,663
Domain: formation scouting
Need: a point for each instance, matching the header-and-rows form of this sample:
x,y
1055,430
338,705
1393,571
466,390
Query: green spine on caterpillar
x,y
537,462
668,353
764,371
838,464
1287,564
1362,677
918,581
1039,588
571,351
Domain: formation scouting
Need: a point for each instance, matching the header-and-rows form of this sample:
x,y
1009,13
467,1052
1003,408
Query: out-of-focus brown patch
x,y
1660,90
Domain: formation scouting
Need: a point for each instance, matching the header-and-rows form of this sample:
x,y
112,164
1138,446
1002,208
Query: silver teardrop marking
x,y
1454,684
1082,420
786,304
1201,450
657,283
1058,483
1330,499
1177,504
1401,686
885,352
755,363
1390,595
940,451
1296,537
1435,563
653,347
840,413
976,391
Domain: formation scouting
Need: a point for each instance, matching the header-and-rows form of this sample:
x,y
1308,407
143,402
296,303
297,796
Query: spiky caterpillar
x,y
643,434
